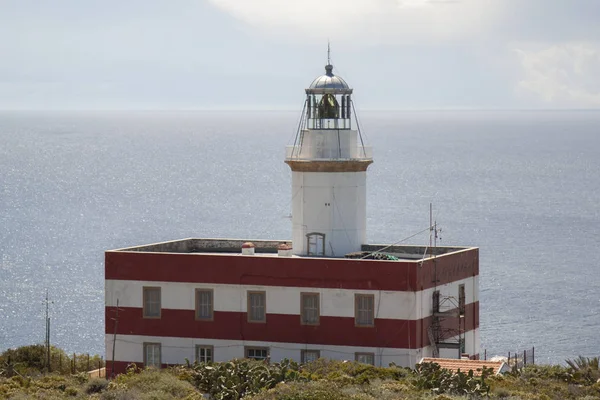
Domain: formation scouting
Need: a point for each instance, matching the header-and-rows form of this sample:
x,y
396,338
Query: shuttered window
x,y
152,355
257,307
151,301
204,304
364,310
309,308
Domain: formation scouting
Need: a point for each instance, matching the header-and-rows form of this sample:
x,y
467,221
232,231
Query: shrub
x,y
321,390
96,385
154,381
433,377
239,378
585,370
32,360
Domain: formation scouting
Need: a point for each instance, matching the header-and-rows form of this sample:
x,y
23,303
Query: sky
x,y
261,54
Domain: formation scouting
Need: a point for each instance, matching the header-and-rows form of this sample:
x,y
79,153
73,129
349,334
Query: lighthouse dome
x,y
329,83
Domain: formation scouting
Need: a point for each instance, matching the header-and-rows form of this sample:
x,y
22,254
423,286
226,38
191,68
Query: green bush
x,y
33,360
321,390
96,385
239,378
153,383
431,376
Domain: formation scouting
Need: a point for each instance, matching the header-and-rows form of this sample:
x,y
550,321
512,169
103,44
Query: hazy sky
x,y
397,54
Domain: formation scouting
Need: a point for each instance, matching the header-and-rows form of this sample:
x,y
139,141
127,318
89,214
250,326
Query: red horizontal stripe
x,y
288,271
338,331
120,367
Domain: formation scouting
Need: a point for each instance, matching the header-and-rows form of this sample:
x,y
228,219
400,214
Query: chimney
x,y
284,250
248,249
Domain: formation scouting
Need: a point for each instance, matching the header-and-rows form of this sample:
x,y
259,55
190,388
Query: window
x,y
307,356
364,309
365,358
257,353
309,308
204,304
257,307
204,354
315,244
461,299
152,355
151,298
436,301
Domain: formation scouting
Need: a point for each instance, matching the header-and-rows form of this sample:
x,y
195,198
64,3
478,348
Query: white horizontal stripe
x,y
129,348
286,300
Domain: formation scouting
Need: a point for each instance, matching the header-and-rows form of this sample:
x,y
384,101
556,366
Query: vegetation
x,y
33,360
319,380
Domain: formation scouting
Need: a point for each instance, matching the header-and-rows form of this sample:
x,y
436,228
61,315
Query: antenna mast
x,y
47,302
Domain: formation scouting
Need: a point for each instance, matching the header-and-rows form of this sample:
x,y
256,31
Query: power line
x,y
395,243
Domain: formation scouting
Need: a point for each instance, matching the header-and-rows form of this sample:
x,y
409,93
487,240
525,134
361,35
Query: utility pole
x,y
47,302
116,319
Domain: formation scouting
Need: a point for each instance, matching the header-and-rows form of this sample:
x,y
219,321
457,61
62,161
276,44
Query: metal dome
x,y
329,83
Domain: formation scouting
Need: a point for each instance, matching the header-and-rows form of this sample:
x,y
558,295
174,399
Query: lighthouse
x,y
219,299
329,164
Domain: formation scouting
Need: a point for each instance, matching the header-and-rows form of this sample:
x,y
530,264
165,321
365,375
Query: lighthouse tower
x,y
329,164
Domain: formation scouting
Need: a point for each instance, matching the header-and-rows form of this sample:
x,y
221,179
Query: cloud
x,y
397,21
562,75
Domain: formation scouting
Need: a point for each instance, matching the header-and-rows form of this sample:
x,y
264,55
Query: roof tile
x,y
465,365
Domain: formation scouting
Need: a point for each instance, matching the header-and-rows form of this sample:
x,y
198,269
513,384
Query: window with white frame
x,y
152,355
257,353
204,354
310,308
365,358
307,356
364,310
257,306
151,302
204,304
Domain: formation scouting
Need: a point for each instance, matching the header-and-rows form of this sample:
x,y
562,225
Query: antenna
x,y
328,53
47,303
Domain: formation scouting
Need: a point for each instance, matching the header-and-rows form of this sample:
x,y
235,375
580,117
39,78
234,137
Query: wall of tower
x,y
329,144
332,204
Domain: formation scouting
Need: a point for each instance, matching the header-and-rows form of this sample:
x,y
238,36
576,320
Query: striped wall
x,y
286,300
402,292
307,272
129,349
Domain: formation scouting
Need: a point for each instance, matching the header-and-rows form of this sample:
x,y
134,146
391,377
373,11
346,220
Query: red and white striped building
x,y
326,293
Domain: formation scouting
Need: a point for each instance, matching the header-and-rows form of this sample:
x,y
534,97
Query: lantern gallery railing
x,y
323,153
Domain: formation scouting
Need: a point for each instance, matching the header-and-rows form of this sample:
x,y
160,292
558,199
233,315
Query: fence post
x,y
88,361
524,357
485,354
533,355
509,358
74,363
60,362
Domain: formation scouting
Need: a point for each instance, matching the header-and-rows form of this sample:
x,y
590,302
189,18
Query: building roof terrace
x,y
270,248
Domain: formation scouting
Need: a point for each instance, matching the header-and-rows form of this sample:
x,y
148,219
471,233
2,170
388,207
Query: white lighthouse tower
x,y
329,164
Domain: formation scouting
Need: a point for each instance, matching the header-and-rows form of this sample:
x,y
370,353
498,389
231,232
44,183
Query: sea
x,y
523,186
